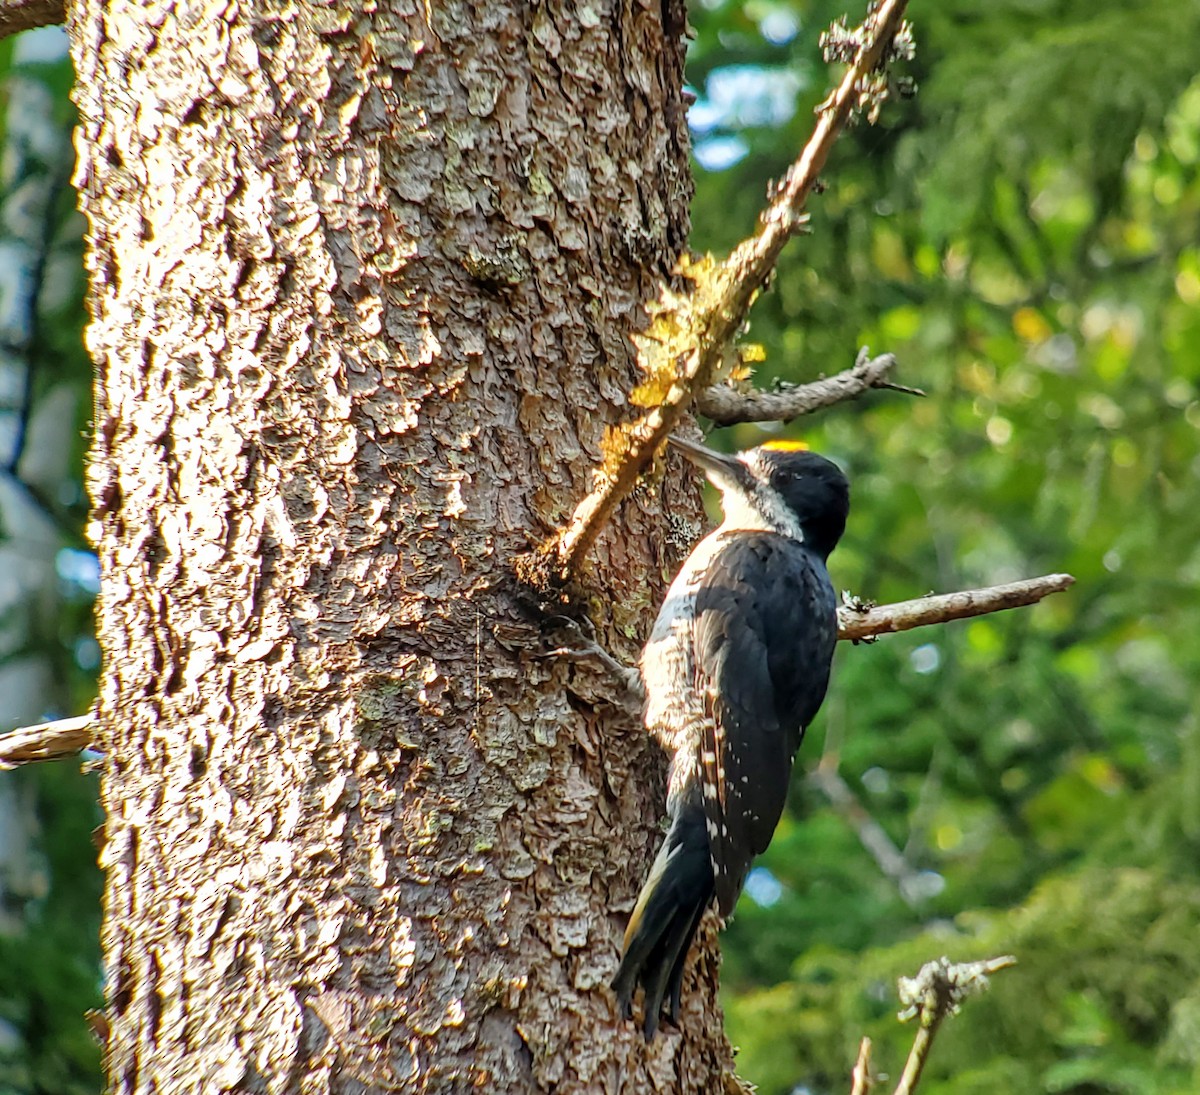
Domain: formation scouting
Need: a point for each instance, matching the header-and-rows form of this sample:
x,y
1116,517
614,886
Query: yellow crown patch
x,y
786,446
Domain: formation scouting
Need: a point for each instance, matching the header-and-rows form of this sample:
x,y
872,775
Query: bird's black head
x,y
813,488
781,486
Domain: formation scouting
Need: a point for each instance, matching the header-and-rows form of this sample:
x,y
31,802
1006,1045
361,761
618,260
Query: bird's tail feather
x,y
665,919
675,984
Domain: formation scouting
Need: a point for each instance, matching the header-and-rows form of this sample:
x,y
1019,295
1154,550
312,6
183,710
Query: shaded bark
x,y
363,287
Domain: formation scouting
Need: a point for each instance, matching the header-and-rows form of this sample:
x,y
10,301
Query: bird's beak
x,y
721,469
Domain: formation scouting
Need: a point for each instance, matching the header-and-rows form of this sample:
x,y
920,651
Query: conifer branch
x,y
871,835
19,15
857,622
53,740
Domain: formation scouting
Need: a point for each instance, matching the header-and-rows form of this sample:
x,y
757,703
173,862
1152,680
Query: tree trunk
x,y
363,287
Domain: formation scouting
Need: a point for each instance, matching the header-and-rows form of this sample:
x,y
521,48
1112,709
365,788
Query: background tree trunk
x,y
362,289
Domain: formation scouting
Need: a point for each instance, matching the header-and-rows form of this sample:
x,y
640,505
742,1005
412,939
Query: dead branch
x,y
754,259
938,991
726,405
52,740
734,285
866,622
19,15
45,741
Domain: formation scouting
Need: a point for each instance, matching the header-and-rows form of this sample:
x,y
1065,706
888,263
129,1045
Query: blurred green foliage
x,y
49,923
50,970
1023,235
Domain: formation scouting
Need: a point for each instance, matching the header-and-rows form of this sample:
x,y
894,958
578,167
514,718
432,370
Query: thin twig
x,y
736,283
45,741
903,389
937,992
725,405
866,622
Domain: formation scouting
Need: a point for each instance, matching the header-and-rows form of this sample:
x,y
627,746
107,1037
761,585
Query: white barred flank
x,y
673,707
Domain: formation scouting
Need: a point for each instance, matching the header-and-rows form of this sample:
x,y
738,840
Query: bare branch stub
x,y
725,405
46,741
859,623
708,334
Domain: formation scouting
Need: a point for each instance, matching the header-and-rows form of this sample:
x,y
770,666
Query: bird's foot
x,y
579,645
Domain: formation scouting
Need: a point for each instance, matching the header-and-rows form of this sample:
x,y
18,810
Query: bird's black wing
x,y
764,631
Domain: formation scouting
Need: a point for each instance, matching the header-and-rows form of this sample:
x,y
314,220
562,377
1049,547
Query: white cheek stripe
x,y
763,511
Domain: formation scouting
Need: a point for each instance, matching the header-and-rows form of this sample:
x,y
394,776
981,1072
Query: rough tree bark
x,y
362,287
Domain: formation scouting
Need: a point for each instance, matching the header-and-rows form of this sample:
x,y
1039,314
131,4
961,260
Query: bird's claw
x,y
584,648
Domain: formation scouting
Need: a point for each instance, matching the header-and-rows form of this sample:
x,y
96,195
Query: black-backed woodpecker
x,y
735,669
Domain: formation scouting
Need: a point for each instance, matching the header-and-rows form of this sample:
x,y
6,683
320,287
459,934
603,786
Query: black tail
x,y
665,918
